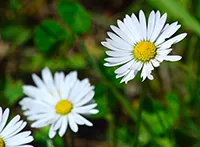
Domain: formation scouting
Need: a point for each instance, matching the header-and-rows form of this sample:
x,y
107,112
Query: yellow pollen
x,y
63,107
2,144
144,51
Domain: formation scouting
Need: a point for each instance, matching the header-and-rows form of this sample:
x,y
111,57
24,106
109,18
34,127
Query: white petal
x,y
137,65
155,63
121,34
0,115
158,26
143,74
52,132
84,109
164,52
126,30
57,124
93,111
4,119
143,24
118,53
38,81
113,61
120,45
168,43
59,80
146,71
31,91
81,120
72,123
124,67
133,28
17,128
47,76
118,39
167,33
118,59
109,46
129,76
85,100
63,128
151,24
172,58
136,28
10,126
19,139
122,74
150,77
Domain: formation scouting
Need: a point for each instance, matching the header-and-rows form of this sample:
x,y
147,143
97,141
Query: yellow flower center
x,y
144,51
2,144
63,107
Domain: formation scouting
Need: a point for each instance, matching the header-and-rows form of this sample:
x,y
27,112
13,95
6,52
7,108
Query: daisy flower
x,y
140,45
58,101
10,135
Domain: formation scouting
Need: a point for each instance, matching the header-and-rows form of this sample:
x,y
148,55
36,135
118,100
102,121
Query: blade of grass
x,y
139,119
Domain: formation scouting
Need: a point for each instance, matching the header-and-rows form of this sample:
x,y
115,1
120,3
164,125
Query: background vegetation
x,y
65,35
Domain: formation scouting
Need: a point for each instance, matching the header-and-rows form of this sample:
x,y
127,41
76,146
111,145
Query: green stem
x,y
111,130
139,120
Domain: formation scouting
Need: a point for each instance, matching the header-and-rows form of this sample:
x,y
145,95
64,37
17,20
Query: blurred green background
x,y
65,35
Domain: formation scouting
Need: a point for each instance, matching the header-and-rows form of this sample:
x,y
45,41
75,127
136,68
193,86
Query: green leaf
x,y
75,16
17,34
48,35
13,90
175,9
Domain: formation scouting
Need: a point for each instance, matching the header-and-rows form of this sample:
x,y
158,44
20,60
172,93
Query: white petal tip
x,y
106,64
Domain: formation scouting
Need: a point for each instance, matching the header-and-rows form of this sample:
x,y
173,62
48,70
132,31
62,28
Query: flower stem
x,y
139,120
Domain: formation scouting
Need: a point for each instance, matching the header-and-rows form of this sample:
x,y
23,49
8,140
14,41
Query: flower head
x,y
59,101
139,45
10,135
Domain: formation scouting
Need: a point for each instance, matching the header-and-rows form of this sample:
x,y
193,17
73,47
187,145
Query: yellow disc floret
x,y
144,51
63,107
2,144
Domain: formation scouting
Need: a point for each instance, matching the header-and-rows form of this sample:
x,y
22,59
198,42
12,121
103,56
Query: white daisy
x,y
137,45
58,101
10,135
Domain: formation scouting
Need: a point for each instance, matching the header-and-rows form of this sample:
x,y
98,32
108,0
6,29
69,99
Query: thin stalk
x,y
139,120
111,130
